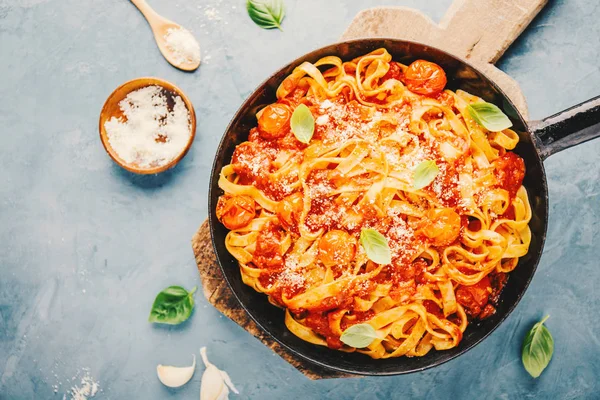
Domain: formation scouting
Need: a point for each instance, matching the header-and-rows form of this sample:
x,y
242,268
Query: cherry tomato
x,y
424,77
510,171
236,212
336,248
274,121
442,226
289,209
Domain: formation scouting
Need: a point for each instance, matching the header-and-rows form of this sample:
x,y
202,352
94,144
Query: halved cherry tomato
x,y
336,248
289,209
442,226
424,77
274,121
510,171
235,212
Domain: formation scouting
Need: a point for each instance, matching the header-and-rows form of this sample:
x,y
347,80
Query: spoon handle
x,y
147,11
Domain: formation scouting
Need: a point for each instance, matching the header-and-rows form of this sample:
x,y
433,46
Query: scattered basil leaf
x,y
172,306
489,116
359,335
424,174
267,14
376,246
538,348
302,123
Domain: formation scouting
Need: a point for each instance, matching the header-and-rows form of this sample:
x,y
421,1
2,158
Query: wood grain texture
x,y
478,31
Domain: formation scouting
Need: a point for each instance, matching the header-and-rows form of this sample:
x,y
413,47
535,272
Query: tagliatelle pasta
x,y
296,211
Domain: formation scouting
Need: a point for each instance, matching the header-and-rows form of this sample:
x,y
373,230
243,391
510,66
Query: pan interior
x,y
271,318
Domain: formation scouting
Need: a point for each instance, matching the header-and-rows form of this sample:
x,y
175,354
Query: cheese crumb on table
x,y
155,128
183,45
86,390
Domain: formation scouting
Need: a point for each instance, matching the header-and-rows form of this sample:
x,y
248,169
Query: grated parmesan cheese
x,y
86,390
183,45
322,120
151,133
326,104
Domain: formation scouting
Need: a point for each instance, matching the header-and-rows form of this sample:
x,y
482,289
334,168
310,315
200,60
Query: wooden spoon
x,y
160,26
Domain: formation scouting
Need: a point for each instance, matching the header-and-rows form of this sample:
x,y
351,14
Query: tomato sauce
x,y
432,307
480,300
253,162
356,317
473,224
473,298
268,248
395,72
319,322
509,213
498,281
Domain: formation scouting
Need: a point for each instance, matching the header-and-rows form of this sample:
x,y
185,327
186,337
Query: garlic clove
x,y
215,383
175,377
228,382
213,387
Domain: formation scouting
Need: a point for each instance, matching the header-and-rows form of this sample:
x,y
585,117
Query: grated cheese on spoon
x,y
183,46
153,131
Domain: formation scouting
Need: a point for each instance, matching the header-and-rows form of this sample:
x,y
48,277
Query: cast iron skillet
x,y
537,142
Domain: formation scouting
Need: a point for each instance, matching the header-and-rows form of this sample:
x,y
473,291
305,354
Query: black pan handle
x,y
568,128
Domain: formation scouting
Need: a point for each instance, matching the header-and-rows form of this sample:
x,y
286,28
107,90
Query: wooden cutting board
x,y
478,31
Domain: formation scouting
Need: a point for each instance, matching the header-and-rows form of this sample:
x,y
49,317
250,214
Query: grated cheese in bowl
x,y
155,127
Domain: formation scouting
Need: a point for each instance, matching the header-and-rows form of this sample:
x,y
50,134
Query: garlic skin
x,y
215,383
175,377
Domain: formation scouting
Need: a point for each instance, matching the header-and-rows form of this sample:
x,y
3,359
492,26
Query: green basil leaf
x,y
302,123
359,335
376,246
489,116
172,306
424,174
267,14
538,348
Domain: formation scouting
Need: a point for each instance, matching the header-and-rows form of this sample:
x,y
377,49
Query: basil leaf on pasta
x,y
424,174
489,116
267,14
376,246
359,336
302,123
538,348
172,306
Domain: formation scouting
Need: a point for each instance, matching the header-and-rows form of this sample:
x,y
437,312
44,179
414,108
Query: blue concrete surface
x,y
85,246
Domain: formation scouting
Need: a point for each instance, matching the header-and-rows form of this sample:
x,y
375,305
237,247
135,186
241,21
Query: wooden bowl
x,y
111,109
